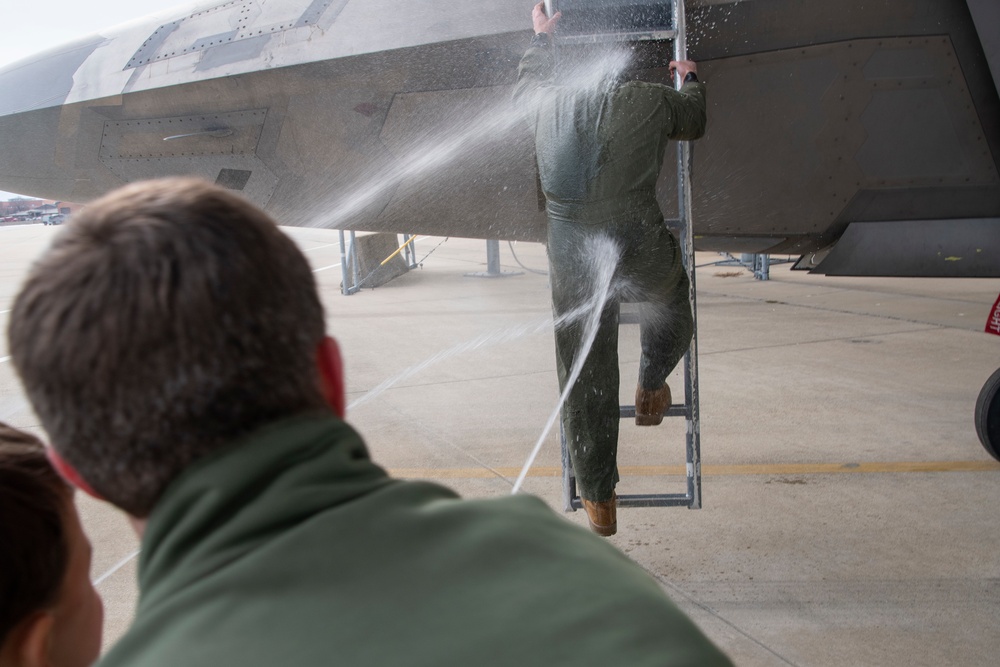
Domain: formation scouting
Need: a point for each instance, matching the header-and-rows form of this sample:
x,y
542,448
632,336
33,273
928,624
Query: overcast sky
x,y
31,26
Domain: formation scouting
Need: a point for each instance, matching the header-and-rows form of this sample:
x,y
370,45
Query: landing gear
x,y
988,415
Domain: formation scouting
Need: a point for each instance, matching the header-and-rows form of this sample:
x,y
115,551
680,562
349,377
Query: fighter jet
x,y
871,127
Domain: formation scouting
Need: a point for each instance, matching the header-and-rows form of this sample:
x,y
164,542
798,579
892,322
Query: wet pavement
x,y
849,509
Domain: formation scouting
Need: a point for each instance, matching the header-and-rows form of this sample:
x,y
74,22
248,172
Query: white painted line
x,y
317,247
5,311
332,266
119,565
3,359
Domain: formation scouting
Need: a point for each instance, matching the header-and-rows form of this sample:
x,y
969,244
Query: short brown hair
x,y
167,318
34,551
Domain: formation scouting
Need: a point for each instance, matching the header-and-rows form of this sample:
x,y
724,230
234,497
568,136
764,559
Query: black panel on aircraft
x,y
233,179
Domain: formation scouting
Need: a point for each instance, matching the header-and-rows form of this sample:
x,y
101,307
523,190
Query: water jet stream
x,y
589,74
467,134
497,337
606,255
488,339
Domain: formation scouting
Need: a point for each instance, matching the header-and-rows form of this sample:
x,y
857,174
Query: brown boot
x,y
650,404
601,516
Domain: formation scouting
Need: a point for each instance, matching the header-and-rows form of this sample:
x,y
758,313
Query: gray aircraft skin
x,y
868,126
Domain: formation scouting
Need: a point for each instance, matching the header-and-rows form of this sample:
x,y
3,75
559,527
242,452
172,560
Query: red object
x,y
69,473
993,322
331,370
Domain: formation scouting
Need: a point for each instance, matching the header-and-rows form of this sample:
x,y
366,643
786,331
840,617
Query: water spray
x,y
606,256
505,335
468,134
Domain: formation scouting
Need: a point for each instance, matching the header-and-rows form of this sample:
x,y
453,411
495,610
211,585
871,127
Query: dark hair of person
x,y
34,552
167,318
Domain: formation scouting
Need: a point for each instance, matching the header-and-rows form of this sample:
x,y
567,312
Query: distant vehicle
x,y
54,219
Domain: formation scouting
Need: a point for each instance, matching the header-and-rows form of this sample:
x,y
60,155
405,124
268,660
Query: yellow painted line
x,y
715,470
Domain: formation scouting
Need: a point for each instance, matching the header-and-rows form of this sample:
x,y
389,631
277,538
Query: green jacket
x,y
291,547
600,144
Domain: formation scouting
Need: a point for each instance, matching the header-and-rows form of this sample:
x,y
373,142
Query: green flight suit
x,y
600,149
291,548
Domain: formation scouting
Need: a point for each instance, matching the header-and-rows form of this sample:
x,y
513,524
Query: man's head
x,y
50,613
167,318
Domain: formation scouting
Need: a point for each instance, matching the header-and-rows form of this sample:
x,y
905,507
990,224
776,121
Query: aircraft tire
x,y
988,415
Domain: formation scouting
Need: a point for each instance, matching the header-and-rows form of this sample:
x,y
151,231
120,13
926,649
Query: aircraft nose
x,y
36,158
45,79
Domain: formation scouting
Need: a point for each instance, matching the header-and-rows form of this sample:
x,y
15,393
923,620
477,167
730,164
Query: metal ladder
x,y
690,408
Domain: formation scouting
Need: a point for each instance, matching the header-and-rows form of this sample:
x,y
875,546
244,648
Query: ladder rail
x,y
684,204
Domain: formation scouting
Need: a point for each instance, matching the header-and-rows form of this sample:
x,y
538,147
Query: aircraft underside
x,y
873,123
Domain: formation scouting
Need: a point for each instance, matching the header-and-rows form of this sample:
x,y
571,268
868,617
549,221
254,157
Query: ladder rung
x,y
645,500
633,36
678,410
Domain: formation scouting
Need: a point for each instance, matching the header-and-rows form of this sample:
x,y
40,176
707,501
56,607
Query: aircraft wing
x,y
865,121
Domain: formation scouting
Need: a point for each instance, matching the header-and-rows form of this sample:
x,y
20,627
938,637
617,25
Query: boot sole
x,y
603,531
648,420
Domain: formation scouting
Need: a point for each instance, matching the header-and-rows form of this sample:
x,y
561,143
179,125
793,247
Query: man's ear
x,y
28,643
331,374
69,473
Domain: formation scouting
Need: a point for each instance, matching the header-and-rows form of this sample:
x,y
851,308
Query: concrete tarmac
x,y
849,509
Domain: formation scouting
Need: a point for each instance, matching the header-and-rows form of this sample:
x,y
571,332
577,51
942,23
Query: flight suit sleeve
x,y
687,107
534,70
